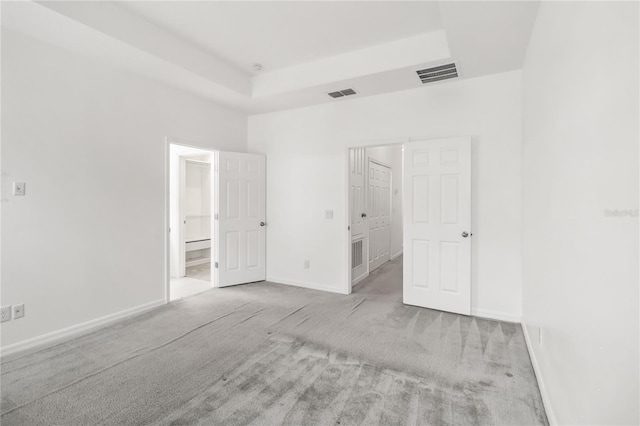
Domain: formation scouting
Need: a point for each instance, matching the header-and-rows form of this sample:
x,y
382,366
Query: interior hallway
x,y
272,354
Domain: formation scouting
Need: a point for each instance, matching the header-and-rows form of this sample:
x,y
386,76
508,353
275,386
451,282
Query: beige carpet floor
x,y
269,354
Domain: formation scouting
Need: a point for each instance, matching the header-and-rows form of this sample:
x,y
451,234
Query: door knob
x,y
262,223
465,234
363,215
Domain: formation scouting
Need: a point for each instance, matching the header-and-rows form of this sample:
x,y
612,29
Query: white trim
x,y
381,143
360,278
347,211
310,286
395,256
500,316
180,229
167,220
78,328
546,401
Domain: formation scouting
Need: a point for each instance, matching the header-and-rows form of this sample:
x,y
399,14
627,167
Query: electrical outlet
x,y
5,313
18,311
328,214
306,264
19,188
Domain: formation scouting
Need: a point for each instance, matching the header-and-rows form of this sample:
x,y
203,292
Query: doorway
x,y
216,219
191,195
432,223
375,201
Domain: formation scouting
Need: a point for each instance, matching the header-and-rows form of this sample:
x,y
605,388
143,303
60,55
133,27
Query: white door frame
x,y
167,223
362,144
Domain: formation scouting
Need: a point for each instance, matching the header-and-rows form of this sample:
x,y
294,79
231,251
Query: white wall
x,y
580,93
88,240
392,156
306,152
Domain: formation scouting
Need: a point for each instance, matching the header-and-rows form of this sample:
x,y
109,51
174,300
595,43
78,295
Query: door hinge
x,y
216,265
215,216
348,228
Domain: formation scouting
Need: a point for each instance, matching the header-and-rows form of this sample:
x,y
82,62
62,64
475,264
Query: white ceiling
x,y
308,48
282,34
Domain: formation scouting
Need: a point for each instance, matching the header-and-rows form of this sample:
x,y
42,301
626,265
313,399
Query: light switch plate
x,y
18,311
5,313
19,188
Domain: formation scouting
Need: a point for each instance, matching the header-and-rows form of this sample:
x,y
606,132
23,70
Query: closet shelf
x,y
198,261
194,239
198,162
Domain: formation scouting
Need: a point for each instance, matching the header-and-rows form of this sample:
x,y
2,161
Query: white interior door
x,y
240,219
437,224
357,167
379,214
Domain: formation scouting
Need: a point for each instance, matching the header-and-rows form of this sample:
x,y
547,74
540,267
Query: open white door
x,y
437,224
239,219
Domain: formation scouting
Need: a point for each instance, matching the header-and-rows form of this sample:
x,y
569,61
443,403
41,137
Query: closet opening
x,y
191,198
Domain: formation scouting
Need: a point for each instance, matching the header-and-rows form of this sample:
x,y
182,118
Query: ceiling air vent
x,y
441,72
341,93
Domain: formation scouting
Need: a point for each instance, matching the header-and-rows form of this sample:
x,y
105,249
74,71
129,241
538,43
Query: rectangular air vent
x,y
356,254
341,93
438,73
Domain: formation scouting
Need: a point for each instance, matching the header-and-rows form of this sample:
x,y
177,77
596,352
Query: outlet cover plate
x,y
19,188
5,313
18,311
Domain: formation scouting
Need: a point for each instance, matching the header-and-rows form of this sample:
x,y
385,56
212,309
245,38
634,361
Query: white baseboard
x,y
360,278
68,332
500,316
543,389
311,286
398,254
